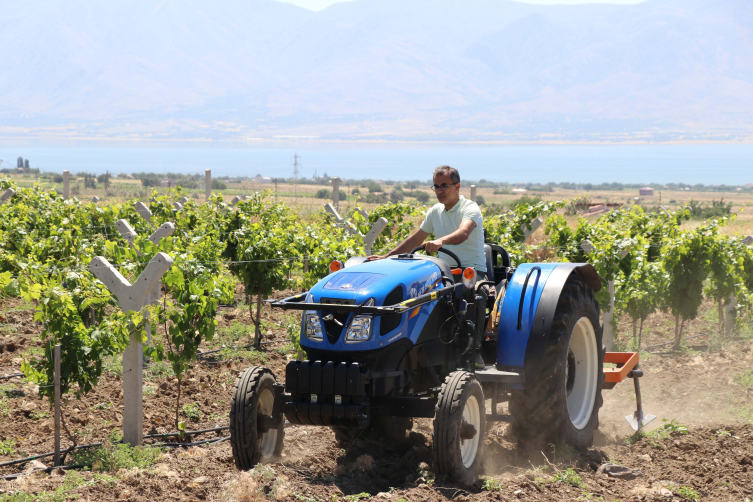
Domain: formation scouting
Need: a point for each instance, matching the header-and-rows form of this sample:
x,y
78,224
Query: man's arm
x,y
410,243
458,236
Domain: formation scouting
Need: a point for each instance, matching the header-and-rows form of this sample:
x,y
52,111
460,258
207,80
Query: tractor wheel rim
x,y
267,440
469,447
583,356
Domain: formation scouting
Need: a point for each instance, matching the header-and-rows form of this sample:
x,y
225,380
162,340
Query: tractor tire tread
x,y
447,427
540,416
243,406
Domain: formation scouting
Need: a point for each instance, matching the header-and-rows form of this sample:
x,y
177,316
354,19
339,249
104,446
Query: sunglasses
x,y
443,187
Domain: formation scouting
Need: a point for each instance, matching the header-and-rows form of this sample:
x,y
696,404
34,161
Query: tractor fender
x,y
525,325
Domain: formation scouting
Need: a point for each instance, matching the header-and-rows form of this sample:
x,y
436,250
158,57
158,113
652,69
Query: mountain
x,y
463,70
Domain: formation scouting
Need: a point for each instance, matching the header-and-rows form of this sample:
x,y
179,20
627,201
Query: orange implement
x,y
625,362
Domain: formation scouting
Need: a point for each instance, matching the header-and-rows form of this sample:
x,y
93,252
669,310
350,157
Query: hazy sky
x,y
321,4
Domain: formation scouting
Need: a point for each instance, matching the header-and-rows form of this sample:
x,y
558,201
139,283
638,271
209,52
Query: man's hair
x,y
448,171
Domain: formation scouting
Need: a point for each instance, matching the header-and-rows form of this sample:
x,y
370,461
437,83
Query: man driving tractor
x,y
458,226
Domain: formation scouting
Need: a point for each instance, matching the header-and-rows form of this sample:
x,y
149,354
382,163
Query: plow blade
x,y
627,367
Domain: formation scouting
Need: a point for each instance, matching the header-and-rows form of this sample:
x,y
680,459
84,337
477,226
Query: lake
x,y
707,164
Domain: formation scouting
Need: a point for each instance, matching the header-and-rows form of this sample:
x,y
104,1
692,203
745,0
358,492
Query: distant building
x,y
519,190
646,191
596,209
262,179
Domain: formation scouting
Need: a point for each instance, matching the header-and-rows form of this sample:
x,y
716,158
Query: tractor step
x,y
491,374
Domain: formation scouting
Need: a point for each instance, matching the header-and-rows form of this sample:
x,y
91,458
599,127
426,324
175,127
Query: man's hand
x,y
375,257
433,246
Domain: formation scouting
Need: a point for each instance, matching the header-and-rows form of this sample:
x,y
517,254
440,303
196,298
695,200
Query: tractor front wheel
x,y
256,434
459,427
562,405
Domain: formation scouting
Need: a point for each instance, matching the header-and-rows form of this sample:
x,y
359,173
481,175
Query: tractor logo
x,y
419,288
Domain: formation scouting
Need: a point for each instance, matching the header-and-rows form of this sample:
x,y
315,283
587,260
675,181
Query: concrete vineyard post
x,y
56,357
132,297
95,199
66,185
178,206
331,210
368,240
129,234
126,231
183,200
208,183
236,200
7,195
336,192
473,193
143,211
164,230
529,229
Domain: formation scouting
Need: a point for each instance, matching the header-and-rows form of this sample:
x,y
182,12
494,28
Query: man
x,y
457,225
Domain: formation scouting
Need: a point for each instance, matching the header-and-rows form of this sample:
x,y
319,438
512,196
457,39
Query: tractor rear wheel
x,y
562,405
459,427
256,434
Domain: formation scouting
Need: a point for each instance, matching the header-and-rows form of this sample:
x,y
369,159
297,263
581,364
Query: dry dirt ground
x,y
706,388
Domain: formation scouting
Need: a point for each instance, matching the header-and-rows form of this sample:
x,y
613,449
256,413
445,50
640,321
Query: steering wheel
x,y
443,250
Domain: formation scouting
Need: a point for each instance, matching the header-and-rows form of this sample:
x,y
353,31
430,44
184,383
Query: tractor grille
x,y
333,329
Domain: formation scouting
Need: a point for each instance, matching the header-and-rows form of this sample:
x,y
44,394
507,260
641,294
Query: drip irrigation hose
x,y
202,354
45,455
14,375
197,443
11,477
170,434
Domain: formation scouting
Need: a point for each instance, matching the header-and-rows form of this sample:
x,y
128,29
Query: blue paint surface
x,y
511,341
376,280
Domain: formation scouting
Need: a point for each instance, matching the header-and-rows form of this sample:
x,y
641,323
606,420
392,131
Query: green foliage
x,y
403,219
686,262
673,426
570,477
192,411
687,493
703,211
61,305
111,457
356,497
189,317
7,447
490,484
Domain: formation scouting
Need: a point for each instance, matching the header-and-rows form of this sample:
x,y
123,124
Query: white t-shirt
x,y
441,222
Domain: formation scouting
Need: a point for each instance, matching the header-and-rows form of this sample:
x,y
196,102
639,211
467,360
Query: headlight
x,y
312,327
359,329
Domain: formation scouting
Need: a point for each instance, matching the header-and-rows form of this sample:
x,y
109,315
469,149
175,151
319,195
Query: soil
x,y
703,390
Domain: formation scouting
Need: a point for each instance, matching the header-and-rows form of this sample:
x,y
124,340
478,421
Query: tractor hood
x,y
400,279
388,282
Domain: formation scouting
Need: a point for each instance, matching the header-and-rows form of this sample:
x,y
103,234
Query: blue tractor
x,y
391,340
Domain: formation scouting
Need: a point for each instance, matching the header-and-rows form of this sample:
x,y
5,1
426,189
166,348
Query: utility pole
x,y
296,172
